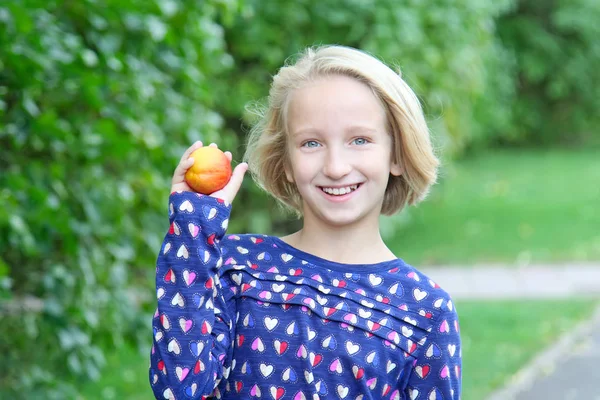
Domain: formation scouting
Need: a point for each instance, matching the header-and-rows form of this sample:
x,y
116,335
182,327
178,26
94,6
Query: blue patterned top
x,y
251,317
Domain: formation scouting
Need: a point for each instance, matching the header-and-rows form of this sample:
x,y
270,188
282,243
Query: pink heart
x,y
230,260
183,374
190,278
445,372
444,328
194,229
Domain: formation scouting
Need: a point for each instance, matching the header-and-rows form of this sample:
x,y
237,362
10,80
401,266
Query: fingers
x,y
184,165
186,154
228,155
235,182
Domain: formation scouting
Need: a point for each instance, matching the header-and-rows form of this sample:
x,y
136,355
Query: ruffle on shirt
x,y
386,304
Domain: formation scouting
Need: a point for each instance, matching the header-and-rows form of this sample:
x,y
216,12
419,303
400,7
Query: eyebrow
x,y
355,128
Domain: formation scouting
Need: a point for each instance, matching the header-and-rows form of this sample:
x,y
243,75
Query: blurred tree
x,y
97,102
556,47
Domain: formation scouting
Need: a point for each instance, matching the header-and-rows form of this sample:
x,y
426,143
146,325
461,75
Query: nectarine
x,y
210,172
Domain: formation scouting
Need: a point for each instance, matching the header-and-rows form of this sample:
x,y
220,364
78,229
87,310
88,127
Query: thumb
x,y
235,182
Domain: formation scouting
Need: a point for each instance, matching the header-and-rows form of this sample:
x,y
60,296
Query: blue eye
x,y
360,141
311,144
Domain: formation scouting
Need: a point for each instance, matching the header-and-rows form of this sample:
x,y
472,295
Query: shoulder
x,y
419,294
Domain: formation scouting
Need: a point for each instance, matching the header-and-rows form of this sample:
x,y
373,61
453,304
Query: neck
x,y
348,245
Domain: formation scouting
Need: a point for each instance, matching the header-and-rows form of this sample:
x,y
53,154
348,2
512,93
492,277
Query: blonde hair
x,y
266,152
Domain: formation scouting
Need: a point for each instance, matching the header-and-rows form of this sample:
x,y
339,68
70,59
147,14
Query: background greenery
x,y
99,99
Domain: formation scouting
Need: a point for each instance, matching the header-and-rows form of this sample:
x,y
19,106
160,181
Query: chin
x,y
340,220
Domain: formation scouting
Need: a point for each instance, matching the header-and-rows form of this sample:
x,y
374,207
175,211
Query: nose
x,y
337,163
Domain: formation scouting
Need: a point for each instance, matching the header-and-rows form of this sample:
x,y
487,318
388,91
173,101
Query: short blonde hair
x,y
266,152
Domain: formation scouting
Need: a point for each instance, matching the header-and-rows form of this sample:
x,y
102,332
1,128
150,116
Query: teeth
x,y
340,191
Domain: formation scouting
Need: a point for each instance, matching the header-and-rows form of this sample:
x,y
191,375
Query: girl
x,y
328,311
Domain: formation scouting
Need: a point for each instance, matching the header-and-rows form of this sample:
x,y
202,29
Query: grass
x,y
499,337
510,207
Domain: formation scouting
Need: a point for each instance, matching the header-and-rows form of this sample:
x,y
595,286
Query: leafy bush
x,y
557,52
98,101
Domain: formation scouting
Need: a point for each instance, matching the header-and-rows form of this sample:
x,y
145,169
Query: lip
x,y
339,186
338,198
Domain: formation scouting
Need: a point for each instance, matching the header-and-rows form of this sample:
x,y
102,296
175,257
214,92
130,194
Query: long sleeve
x,y
436,372
193,323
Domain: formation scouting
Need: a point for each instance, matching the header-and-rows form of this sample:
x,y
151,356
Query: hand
x,y
228,193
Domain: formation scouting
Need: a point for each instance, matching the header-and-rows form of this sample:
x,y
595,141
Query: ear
x,y
396,169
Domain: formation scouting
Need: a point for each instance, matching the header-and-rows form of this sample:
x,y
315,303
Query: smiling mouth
x,y
339,191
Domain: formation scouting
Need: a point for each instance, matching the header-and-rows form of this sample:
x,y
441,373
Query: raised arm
x,y
193,323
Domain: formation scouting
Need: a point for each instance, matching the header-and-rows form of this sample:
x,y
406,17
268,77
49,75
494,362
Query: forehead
x,y
334,103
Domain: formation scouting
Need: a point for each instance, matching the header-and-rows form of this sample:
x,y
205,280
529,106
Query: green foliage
x,y
445,50
557,51
97,100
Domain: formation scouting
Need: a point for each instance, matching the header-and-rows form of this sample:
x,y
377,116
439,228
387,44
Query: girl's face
x,y
340,155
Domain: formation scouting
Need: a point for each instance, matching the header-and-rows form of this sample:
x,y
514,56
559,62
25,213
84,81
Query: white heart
x,y
173,347
183,252
367,304
178,300
186,206
390,366
352,348
375,280
322,300
419,294
414,393
323,289
277,287
451,349
290,328
266,369
168,394
342,391
176,229
308,376
271,323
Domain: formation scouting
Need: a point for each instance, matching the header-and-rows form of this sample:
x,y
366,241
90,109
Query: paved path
x,y
533,281
570,368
